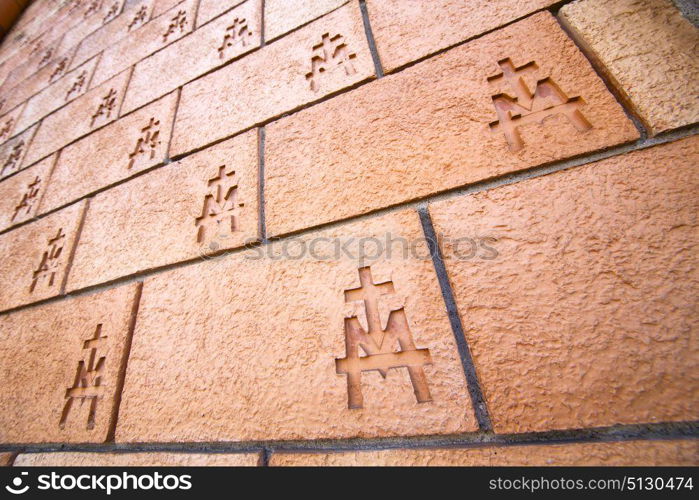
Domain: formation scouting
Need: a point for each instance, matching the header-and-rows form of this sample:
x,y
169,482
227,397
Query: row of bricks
x,y
420,139
576,291
636,453
250,92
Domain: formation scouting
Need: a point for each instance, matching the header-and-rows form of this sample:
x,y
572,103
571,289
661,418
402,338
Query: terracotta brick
x,y
648,50
629,453
587,317
406,30
66,89
270,332
39,250
97,107
282,16
271,81
8,124
209,9
107,12
42,350
426,129
6,459
139,459
14,153
195,54
38,61
21,193
154,35
152,221
134,16
77,174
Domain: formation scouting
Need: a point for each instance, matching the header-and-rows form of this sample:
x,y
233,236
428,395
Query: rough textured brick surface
x,y
108,10
195,54
112,153
587,317
282,16
648,50
14,153
6,459
270,331
426,129
134,16
406,30
154,220
41,350
141,459
154,35
21,193
8,123
90,111
270,81
631,453
208,9
161,7
37,250
69,87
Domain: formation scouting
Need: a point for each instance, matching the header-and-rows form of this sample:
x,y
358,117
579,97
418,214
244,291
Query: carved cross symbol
x,y
13,159
139,18
28,198
238,32
526,107
220,203
106,106
87,385
6,129
150,138
58,70
48,53
330,54
178,22
111,12
77,85
48,267
379,344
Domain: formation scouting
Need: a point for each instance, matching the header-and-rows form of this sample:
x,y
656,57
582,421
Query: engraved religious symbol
x,y
77,85
6,129
330,54
29,197
88,383
48,54
526,107
48,267
139,18
379,344
106,106
58,71
13,159
148,142
92,8
111,12
238,32
221,210
177,22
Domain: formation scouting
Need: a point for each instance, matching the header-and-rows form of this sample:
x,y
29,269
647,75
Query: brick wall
x,y
348,232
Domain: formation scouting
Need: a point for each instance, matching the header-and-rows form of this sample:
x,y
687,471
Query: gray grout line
x,y
619,433
474,387
74,246
262,24
370,39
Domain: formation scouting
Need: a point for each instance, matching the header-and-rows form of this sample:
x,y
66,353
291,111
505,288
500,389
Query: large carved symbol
x,y
13,159
238,32
50,261
179,22
379,344
30,196
106,107
88,383
111,13
526,107
148,142
140,18
59,69
221,210
77,85
330,54
6,129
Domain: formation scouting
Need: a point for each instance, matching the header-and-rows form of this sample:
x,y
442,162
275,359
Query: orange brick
x,y
8,124
14,153
270,332
97,107
226,38
112,153
140,459
426,129
406,30
21,193
209,9
134,16
629,453
152,221
648,49
272,81
156,34
588,315
69,87
43,351
282,16
34,258
6,459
